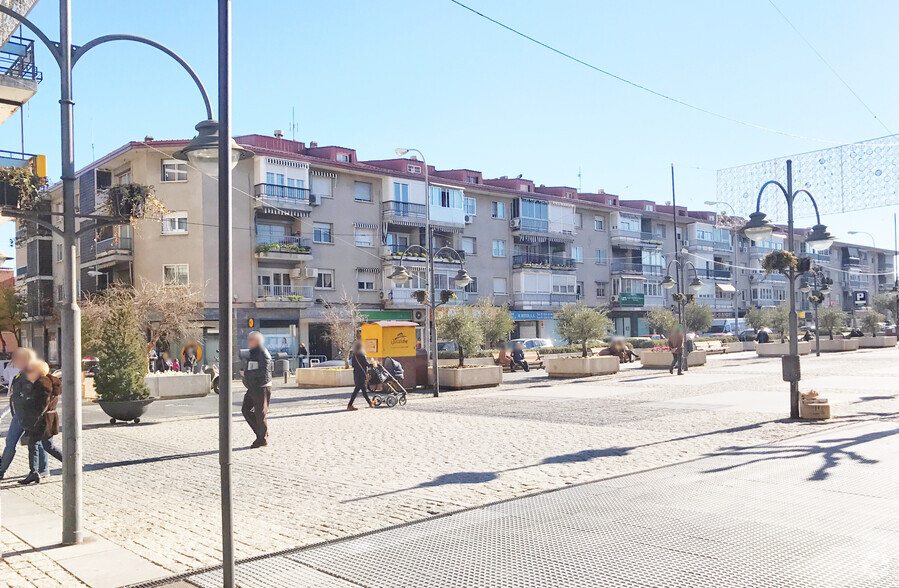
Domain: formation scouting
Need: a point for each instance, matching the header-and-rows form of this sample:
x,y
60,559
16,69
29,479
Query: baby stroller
x,y
384,383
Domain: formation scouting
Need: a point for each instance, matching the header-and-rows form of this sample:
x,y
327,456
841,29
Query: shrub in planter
x,y
830,319
578,323
779,261
122,355
20,187
871,322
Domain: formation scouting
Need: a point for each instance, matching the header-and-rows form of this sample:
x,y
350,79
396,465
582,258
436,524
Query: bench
x,y
533,358
710,347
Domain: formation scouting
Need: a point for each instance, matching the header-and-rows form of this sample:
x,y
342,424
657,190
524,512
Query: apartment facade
x,y
312,224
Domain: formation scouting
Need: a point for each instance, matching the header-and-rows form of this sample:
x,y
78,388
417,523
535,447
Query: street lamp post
x,y
400,276
817,290
734,268
669,282
759,228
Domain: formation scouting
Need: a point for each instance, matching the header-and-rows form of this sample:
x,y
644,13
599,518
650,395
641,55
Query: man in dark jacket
x,y
518,358
302,354
257,377
762,336
676,345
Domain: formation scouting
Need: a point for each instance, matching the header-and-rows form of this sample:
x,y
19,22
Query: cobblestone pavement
x,y
153,488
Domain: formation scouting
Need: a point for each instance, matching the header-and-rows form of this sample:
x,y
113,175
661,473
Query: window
x,y
365,282
470,245
105,233
601,289
578,220
577,254
321,232
499,248
324,280
175,274
579,289
650,207
652,288
499,210
599,223
174,223
472,287
472,179
123,178
413,169
446,197
174,170
59,294
364,237
471,206
344,157
499,285
59,252
661,231
362,191
321,186
400,192
601,256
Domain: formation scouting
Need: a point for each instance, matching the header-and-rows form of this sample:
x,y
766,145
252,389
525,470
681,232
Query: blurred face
x,y
32,373
253,341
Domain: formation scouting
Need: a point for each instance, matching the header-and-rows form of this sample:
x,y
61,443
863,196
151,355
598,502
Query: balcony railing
x,y
772,278
17,60
400,209
636,269
718,303
283,194
636,236
291,293
114,244
418,254
543,299
543,261
715,274
709,245
283,244
404,295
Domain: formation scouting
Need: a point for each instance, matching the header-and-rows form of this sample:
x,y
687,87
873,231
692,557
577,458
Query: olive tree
x,y
871,322
496,322
885,304
578,323
698,317
757,318
343,321
462,325
779,319
660,320
831,319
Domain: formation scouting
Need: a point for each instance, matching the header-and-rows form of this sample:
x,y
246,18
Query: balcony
x,y
276,296
275,196
404,213
708,245
18,75
111,252
760,251
29,231
287,248
718,303
772,278
636,269
715,274
543,261
535,300
625,238
539,226
395,252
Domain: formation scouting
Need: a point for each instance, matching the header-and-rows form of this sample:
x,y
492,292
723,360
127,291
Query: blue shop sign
x,y
524,315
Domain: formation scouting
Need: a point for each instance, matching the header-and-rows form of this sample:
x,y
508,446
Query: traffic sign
x,y
861,298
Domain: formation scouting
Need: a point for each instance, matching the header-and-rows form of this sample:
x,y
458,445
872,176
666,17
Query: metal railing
x,y
418,254
404,209
715,274
17,60
285,292
710,245
283,194
542,261
114,244
285,244
543,299
636,236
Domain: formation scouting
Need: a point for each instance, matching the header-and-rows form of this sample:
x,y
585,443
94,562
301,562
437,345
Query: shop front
x,y
535,324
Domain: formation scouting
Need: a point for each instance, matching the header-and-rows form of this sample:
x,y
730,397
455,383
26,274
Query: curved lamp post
x,y
817,289
213,138
760,228
401,276
670,282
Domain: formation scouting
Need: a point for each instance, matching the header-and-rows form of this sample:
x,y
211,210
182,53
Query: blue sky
x,y
375,75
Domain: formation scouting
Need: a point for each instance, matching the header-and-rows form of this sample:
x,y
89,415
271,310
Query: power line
x,y
637,85
830,67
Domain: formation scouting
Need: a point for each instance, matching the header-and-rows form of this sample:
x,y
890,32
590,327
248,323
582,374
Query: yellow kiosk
x,y
397,339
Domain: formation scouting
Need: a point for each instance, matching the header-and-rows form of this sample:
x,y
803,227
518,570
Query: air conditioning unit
x,y
468,219
515,223
613,299
381,294
314,200
298,273
419,315
311,272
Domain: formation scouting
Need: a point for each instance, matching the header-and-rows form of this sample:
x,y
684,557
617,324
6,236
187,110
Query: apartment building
x,y
312,223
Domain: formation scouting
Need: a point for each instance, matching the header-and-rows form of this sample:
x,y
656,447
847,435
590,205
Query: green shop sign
x,y
629,299
386,315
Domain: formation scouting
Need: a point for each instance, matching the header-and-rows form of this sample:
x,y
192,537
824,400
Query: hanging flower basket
x,y
20,188
421,296
446,296
132,201
678,297
779,261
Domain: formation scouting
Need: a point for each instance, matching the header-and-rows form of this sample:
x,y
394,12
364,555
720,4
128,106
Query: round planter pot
x,y
125,410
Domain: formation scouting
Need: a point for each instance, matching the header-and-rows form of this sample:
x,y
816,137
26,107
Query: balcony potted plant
x,y
20,188
579,323
132,201
468,327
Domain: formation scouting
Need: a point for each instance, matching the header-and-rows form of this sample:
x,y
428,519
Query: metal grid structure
x,y
850,177
812,511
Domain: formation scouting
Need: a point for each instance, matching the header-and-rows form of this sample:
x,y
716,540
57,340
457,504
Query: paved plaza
x,y
151,490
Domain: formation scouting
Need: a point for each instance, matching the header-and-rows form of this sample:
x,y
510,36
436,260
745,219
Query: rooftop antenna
x,y
579,178
293,123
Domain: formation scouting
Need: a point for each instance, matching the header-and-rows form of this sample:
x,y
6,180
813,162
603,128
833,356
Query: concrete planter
x,y
178,385
663,359
739,346
470,377
580,367
324,377
828,346
879,341
781,349
442,363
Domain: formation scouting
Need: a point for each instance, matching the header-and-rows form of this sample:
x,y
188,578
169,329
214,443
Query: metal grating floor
x,y
815,511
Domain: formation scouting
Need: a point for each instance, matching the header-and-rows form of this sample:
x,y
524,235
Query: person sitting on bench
x,y
518,358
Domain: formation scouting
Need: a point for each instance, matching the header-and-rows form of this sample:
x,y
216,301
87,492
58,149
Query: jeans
x,y
677,362
522,364
13,435
361,386
42,447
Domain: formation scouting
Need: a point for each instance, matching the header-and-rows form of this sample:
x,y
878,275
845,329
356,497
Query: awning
x,y
368,270
318,172
726,287
365,225
285,212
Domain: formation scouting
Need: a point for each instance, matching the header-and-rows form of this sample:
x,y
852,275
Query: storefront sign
x,y
386,315
531,315
630,299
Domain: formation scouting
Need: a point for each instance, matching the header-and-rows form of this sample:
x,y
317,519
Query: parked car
x,y
746,335
530,343
447,346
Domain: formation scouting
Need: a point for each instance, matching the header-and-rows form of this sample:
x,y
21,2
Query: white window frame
x,y
472,286
317,225
177,267
474,245
503,245
413,169
577,254
174,216
364,232
321,273
602,259
497,207
366,280
356,192
343,157
599,223
505,286
578,220
466,200
181,169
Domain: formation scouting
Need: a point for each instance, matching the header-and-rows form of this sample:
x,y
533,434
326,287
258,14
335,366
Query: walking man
x,y
676,345
257,377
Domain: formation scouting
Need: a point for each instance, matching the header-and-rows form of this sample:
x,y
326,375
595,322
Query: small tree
x,y
698,317
168,312
660,320
496,322
463,326
343,321
122,354
779,319
885,304
871,322
578,323
757,318
12,312
831,318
